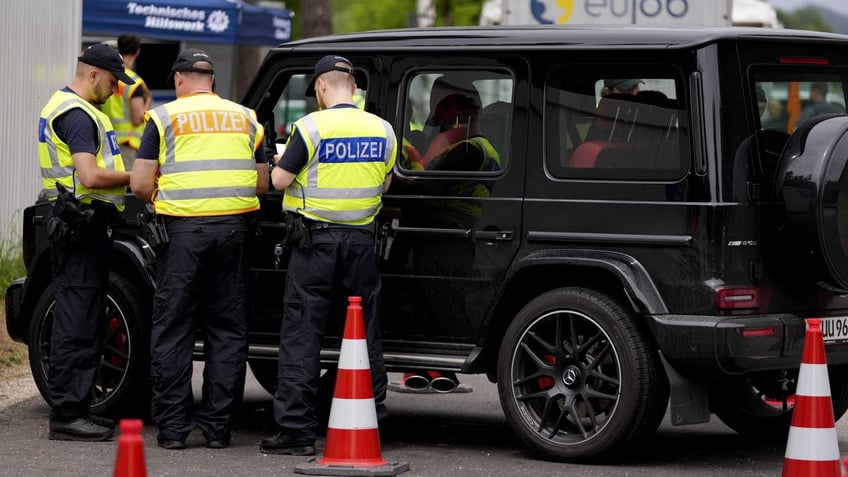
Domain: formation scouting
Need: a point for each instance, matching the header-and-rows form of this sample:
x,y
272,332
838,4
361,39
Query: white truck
x,y
629,12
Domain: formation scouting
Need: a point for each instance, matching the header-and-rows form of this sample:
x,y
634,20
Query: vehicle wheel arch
x,y
40,274
128,259
615,274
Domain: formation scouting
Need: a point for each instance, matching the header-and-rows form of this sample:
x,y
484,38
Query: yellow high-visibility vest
x,y
117,107
54,155
359,101
350,154
206,161
456,212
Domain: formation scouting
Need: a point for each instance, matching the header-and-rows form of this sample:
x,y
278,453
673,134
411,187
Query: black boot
x,y
284,444
79,429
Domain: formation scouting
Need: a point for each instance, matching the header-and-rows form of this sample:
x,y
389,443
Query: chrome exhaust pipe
x,y
444,383
416,381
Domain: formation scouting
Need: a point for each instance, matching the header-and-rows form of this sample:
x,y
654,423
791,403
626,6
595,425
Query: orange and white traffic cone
x,y
353,440
130,459
812,448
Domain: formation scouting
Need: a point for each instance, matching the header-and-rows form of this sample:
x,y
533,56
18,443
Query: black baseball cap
x,y
325,64
105,57
622,84
187,58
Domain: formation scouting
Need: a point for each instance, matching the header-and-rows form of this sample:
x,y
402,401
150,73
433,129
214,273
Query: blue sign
x,y
263,26
212,21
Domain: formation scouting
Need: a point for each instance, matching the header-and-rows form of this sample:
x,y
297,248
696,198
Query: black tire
x,y
265,372
122,385
577,378
761,406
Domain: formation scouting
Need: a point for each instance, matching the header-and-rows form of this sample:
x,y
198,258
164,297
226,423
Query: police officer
x,y
126,108
77,149
199,161
334,170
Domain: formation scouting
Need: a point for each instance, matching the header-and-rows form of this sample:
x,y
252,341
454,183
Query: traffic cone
x,y
130,459
812,449
353,440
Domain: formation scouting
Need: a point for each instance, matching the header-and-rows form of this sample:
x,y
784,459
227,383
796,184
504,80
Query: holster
x,y
297,233
70,218
385,233
153,229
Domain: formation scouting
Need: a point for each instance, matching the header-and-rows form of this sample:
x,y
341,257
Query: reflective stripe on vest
x,y
350,153
206,157
54,155
117,107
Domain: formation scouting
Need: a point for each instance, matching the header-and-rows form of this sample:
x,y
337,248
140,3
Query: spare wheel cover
x,y
812,183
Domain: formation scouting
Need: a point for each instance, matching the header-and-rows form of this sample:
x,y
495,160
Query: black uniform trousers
x,y
80,284
201,283
341,263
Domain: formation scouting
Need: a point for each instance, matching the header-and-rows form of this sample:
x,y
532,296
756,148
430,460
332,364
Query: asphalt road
x,y
438,435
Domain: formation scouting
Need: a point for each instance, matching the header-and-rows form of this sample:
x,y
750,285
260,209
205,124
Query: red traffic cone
x,y
130,459
353,440
813,447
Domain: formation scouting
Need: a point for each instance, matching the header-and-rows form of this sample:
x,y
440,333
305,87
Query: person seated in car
x,y
460,145
776,116
818,104
622,86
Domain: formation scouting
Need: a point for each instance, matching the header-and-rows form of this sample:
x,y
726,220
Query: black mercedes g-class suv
x,y
629,252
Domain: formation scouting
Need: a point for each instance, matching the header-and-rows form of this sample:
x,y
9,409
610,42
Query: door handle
x,y
493,235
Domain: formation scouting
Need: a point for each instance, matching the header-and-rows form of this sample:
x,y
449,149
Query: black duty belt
x,y
315,226
235,219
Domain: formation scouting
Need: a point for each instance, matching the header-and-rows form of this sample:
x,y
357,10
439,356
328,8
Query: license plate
x,y
835,329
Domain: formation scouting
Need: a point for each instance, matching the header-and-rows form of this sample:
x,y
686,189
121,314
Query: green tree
x,y
807,18
361,15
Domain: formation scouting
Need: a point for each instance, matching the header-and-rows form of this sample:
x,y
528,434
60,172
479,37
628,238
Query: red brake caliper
x,y
119,341
546,382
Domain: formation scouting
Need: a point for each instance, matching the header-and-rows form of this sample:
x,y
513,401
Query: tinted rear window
x,y
611,124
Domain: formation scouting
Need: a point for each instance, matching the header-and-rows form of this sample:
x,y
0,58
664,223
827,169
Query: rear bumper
x,y
14,301
714,346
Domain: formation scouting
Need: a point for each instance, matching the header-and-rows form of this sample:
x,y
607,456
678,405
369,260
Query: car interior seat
x,y
611,129
496,125
631,131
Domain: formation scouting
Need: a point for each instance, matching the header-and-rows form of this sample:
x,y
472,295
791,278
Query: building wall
x,y
41,40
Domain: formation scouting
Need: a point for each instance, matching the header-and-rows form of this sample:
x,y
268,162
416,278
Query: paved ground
x,y
15,386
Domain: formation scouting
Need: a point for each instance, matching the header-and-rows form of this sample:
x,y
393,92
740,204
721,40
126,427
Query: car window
x,y
293,103
785,102
615,125
782,99
456,122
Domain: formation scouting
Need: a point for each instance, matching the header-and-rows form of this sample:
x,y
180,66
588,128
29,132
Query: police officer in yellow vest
x,y
126,108
202,165
77,150
334,170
